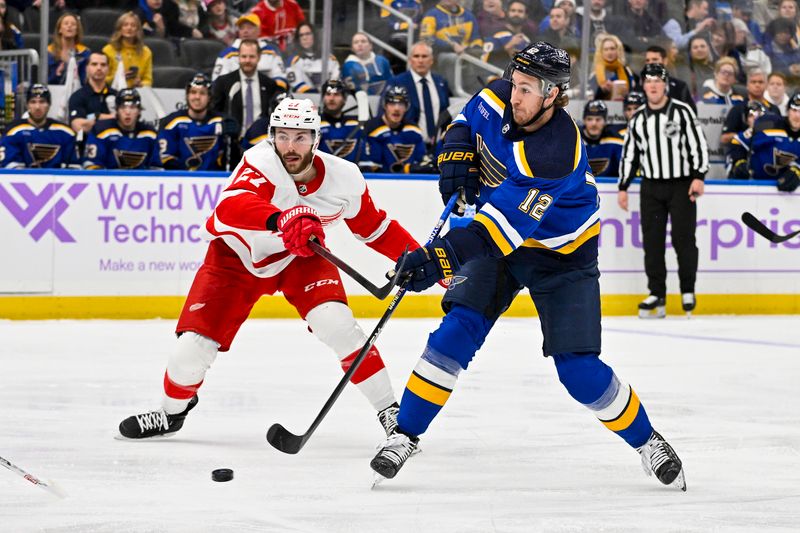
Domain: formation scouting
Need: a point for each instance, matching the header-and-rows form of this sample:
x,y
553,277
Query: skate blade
x,y
688,315
679,482
654,313
377,479
120,436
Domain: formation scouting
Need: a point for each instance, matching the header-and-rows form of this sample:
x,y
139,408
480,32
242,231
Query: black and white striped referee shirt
x,y
667,143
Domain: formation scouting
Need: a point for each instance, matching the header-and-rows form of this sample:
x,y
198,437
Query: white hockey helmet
x,y
299,114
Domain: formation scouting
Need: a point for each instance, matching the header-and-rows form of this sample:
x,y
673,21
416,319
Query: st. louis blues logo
x,y
401,152
129,158
341,147
779,160
199,146
599,165
42,153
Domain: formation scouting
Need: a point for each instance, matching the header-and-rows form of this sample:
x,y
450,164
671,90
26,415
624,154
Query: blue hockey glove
x,y
789,178
458,169
429,264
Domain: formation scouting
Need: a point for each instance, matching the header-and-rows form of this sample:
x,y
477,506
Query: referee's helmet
x,y
655,70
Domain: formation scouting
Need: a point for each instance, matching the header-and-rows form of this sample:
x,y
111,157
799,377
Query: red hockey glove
x,y
298,225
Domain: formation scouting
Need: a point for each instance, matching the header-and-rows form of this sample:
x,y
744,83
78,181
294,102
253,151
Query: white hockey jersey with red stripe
x,y
260,186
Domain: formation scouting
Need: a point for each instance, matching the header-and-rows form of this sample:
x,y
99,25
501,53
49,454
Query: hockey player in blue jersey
x,y
340,134
603,146
393,143
632,101
195,138
516,153
769,149
124,142
38,141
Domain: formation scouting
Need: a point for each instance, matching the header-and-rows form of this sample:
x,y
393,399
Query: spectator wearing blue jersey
x,y
363,69
536,229
516,32
782,50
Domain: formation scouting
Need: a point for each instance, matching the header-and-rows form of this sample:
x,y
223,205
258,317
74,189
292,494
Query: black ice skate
x,y
155,423
689,302
388,418
660,459
393,454
653,307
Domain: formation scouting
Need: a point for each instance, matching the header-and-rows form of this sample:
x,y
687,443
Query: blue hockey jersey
x,y
604,153
392,149
109,146
442,28
188,144
537,189
257,132
336,138
771,146
51,146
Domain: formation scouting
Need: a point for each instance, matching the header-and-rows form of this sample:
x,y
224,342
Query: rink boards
x,y
127,244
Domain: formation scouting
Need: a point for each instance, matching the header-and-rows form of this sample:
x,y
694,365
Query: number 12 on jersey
x,y
535,205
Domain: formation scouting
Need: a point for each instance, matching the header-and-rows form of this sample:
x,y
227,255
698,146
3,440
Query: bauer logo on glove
x,y
456,155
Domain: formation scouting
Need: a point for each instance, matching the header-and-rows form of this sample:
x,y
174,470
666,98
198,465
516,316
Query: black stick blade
x,y
284,440
756,225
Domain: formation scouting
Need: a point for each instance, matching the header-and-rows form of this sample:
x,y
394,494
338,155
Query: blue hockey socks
x,y
594,384
450,349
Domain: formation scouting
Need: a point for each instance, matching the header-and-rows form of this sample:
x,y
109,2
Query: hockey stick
x,y
284,440
362,105
378,292
50,487
756,225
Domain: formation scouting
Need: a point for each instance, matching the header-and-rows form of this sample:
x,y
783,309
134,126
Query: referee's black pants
x,y
660,199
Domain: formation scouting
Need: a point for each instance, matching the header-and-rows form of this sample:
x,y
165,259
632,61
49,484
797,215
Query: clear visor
x,y
297,138
529,85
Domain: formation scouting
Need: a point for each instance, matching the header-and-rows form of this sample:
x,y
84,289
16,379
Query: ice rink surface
x,y
511,452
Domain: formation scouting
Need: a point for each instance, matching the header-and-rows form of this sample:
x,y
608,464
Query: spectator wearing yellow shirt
x,y
127,45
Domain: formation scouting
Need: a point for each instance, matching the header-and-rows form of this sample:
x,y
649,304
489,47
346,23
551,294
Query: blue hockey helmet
x,y
199,80
128,97
38,90
334,86
636,98
396,94
595,108
544,61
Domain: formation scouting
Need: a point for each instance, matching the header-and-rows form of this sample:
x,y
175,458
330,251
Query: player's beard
x,y
296,166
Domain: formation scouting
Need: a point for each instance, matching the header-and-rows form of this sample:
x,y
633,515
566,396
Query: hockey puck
x,y
222,474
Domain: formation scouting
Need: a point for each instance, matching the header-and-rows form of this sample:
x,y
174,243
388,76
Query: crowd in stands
x,y
716,52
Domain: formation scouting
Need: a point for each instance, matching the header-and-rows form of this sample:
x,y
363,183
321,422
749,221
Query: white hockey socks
x,y
186,370
334,325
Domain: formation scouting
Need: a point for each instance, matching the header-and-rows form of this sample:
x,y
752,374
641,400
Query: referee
x,y
665,146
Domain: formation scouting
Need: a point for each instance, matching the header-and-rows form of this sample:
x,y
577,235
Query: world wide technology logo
x,y
39,212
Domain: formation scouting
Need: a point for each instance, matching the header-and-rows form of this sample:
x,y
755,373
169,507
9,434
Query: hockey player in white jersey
x,y
283,193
